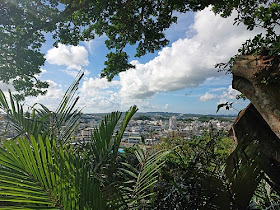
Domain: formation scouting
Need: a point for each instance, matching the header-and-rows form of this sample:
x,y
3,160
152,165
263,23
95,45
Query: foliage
x,y
44,169
43,174
193,177
23,25
60,124
208,118
142,117
250,169
265,196
201,174
227,105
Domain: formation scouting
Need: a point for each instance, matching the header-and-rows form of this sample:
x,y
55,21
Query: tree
x,y
23,25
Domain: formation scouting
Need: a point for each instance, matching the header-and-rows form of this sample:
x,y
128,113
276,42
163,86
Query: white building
x,y
172,123
134,139
87,133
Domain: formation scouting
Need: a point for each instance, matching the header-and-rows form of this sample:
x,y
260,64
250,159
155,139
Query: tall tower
x,y
172,123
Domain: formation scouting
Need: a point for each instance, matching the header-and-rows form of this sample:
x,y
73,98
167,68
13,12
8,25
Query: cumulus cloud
x,y
5,87
207,97
51,99
189,61
226,94
92,84
74,57
229,94
74,72
95,43
97,94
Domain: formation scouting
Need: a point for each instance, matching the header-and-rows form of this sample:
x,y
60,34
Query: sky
x,y
179,78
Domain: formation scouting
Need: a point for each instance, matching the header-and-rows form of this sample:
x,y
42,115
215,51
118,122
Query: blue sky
x,y
179,78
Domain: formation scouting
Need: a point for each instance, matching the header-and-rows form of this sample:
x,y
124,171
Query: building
x,y
86,134
134,139
172,123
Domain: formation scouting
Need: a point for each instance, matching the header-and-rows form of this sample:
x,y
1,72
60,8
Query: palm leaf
x,y
37,173
139,189
41,174
60,124
63,123
23,123
103,147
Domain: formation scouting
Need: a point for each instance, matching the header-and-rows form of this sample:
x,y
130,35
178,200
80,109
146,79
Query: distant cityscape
x,y
150,128
147,128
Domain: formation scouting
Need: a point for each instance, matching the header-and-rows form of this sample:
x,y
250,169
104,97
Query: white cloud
x,y
207,97
95,95
99,95
189,61
74,57
95,43
74,72
92,84
226,94
217,89
5,87
230,94
51,99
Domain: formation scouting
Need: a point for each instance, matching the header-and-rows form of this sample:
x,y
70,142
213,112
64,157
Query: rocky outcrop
x,y
257,128
258,78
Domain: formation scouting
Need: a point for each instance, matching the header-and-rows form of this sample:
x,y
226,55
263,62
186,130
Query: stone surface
x,y
258,78
250,127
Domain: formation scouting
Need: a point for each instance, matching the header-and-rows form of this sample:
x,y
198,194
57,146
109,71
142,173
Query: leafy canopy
x,y
24,23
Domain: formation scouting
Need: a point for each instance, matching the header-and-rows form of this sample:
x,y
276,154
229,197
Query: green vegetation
x,y
195,176
208,118
142,117
41,168
44,169
23,25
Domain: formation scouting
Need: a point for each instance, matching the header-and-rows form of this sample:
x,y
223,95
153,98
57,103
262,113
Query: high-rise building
x,y
172,123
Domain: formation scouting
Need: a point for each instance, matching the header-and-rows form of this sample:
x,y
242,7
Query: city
x,y
150,128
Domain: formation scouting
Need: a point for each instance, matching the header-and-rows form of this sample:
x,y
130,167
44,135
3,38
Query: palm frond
x,y
243,170
60,124
44,175
37,173
139,188
24,123
63,122
103,148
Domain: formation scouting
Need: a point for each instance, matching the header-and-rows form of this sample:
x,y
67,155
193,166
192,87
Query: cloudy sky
x,y
179,78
